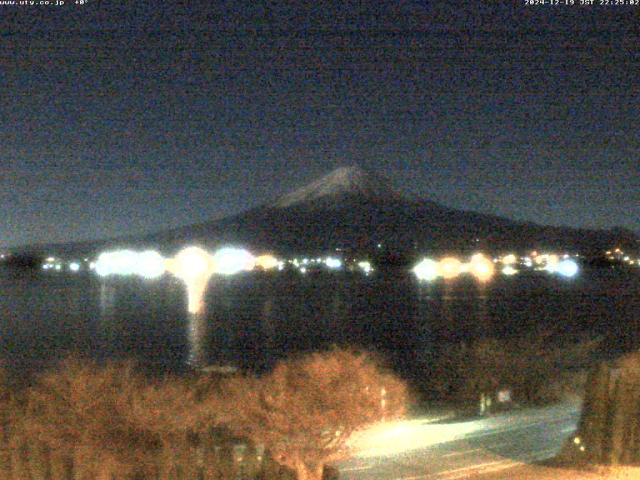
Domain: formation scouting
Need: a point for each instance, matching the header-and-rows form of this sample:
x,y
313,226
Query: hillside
x,y
355,210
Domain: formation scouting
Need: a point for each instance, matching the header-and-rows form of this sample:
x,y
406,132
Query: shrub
x,y
306,409
88,411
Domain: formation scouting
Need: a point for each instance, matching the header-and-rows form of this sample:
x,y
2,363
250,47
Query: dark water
x,y
253,319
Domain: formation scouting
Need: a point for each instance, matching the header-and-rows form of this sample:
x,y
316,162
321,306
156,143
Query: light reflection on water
x,y
254,319
197,340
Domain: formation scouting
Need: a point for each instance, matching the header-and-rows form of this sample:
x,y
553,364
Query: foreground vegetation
x,y
537,369
85,421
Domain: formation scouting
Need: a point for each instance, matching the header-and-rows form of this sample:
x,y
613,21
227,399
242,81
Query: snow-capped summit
x,y
342,181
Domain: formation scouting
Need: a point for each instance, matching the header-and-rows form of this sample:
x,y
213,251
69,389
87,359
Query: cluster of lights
x,y
303,265
147,264
190,262
549,262
51,263
483,269
451,267
192,265
365,267
58,265
618,255
268,262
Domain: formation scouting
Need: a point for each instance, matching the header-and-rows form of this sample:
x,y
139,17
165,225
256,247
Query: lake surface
x,y
253,319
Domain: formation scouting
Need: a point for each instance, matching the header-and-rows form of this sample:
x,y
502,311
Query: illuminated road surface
x,y
415,449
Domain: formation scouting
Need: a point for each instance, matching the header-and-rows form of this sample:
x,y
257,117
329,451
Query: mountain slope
x,y
355,210
344,181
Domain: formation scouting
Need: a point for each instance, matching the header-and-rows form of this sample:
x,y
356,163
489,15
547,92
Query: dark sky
x,y
120,118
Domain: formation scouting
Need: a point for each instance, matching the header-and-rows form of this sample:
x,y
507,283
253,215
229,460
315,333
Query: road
x,y
419,450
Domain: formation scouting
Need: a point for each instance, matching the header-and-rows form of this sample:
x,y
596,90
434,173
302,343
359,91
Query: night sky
x,y
122,119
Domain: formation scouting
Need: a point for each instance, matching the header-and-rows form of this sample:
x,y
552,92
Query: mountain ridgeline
x,y
356,211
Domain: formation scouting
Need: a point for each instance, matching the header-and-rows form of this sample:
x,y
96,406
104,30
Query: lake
x,y
253,319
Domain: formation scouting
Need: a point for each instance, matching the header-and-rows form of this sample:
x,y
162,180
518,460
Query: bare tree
x,y
307,408
86,409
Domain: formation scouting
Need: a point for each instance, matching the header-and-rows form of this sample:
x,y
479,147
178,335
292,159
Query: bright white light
x,y
119,262
50,259
509,270
194,267
150,264
190,263
553,260
303,270
332,262
365,266
426,270
567,268
58,267
228,261
74,266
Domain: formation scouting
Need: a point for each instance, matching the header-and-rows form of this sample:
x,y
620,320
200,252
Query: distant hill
x,y
358,211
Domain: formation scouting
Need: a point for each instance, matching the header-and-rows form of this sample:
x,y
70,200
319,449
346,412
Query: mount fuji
x,y
357,211
338,185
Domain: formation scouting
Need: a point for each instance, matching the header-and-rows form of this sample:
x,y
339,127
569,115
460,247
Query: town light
x,y
150,264
552,262
450,267
333,263
365,267
190,263
509,270
509,259
118,262
481,267
228,261
567,268
426,270
267,262
194,267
